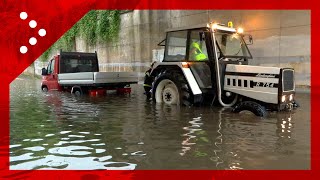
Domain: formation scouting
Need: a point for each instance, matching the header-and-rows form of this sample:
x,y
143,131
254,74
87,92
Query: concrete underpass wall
x,y
281,38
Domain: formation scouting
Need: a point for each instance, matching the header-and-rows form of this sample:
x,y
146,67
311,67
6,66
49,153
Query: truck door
x,y
52,77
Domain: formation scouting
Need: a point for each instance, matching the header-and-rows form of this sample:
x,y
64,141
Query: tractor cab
x,y
201,46
206,42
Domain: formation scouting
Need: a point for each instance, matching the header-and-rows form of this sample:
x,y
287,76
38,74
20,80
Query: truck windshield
x,y
232,45
74,65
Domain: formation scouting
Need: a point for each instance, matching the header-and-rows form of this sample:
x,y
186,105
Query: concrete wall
x,y
35,69
281,37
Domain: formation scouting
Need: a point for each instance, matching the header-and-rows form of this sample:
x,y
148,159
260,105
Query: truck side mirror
x,y
44,72
248,39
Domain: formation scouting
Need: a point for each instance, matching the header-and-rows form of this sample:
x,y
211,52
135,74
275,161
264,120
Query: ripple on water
x,y
65,132
76,136
35,148
71,150
22,157
14,145
36,140
100,144
71,163
138,153
120,166
105,158
100,151
84,132
49,135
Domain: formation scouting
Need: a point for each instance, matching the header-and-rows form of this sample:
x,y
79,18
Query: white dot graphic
x,y
33,41
23,15
23,49
42,32
33,24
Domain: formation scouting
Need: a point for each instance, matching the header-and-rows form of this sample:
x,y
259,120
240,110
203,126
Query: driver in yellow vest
x,y
196,52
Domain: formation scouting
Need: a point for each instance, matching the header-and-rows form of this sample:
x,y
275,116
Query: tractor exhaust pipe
x,y
218,77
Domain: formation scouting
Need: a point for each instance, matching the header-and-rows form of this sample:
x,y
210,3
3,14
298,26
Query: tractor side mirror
x,y
44,72
162,43
248,39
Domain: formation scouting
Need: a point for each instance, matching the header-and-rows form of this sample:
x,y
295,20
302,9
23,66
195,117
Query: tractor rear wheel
x,y
171,88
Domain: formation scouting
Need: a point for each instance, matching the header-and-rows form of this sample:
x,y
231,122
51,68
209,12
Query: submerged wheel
x,y
44,88
171,88
251,106
77,91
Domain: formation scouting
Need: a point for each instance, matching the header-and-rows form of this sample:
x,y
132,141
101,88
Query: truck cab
x,y
50,75
67,62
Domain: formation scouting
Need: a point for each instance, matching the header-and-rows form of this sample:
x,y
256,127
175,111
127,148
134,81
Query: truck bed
x,y
97,78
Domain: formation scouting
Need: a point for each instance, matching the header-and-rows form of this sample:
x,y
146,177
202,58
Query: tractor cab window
x,y
176,46
232,45
197,47
50,67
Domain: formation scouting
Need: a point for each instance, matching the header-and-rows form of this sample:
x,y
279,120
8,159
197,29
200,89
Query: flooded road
x,y
60,131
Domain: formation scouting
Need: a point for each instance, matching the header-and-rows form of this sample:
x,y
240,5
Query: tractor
x,y
208,65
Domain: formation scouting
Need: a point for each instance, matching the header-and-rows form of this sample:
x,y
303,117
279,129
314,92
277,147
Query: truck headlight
x,y
291,97
283,98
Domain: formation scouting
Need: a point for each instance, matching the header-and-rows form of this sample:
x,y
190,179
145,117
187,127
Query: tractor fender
x,y
177,66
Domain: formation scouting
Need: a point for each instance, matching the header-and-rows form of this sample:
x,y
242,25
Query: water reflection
x,y
284,125
284,132
190,135
60,131
218,142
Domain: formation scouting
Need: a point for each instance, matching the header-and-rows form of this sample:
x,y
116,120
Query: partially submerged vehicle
x,y
208,64
78,73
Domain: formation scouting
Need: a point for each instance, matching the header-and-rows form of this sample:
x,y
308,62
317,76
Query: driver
x,y
196,52
148,81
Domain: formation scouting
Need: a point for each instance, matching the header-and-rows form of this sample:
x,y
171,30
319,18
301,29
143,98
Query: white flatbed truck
x,y
78,73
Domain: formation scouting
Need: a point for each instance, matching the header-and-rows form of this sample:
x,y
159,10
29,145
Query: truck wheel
x,y
171,88
44,88
76,91
251,106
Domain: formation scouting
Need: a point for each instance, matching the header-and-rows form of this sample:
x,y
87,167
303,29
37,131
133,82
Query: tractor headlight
x,y
291,97
240,30
214,26
283,98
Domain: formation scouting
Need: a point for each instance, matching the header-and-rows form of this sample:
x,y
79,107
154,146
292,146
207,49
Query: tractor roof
x,y
217,26
187,27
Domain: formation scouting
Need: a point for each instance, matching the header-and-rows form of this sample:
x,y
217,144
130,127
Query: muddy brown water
x,y
57,130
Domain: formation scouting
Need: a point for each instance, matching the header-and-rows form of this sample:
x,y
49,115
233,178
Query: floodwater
x,y
57,130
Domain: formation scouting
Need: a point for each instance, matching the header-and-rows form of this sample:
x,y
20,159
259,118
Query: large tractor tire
x,y
171,88
251,106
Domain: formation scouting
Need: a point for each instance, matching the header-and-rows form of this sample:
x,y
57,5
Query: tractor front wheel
x,y
251,106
